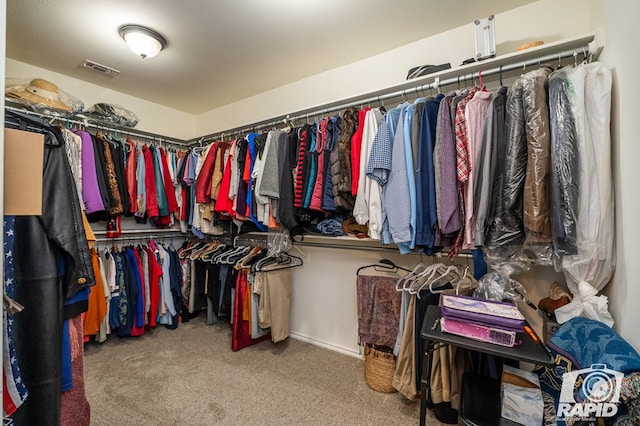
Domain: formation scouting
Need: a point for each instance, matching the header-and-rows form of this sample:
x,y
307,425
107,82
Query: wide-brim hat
x,y
40,92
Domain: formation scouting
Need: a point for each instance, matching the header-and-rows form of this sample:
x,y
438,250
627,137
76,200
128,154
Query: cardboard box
x,y
23,162
521,397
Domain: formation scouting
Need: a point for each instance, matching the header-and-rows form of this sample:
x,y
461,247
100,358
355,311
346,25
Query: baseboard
x,y
326,345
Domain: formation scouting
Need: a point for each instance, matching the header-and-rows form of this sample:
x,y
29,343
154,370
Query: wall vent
x,y
103,69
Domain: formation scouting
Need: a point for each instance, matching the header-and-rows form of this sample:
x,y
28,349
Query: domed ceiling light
x,y
143,41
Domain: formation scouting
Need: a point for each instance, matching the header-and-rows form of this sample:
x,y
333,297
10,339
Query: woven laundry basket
x,y
379,367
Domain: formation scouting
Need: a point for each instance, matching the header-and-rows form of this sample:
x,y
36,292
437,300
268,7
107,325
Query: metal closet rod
x,y
368,98
251,241
373,248
143,135
132,238
142,232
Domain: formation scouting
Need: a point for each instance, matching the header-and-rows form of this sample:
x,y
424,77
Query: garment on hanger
x,y
378,305
426,213
506,230
274,289
56,283
536,203
341,161
368,194
356,148
240,333
588,110
485,178
474,121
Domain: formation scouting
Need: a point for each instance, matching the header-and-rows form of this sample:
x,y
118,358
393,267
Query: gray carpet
x,y
190,376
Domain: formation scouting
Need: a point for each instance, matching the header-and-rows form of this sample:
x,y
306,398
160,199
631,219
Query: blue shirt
x,y
426,195
251,138
396,197
406,245
379,165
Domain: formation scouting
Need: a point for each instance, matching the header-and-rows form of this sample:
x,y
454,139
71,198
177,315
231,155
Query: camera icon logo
x,y
590,392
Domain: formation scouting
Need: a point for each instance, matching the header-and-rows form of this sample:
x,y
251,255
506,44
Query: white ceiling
x,y
221,51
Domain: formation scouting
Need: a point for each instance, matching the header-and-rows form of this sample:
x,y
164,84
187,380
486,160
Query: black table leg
x,y
425,386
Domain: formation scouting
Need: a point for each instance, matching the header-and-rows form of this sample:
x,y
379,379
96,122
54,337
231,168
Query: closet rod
x,y
377,249
115,240
140,134
368,98
140,232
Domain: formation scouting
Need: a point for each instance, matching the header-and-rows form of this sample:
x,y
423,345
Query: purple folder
x,y
488,313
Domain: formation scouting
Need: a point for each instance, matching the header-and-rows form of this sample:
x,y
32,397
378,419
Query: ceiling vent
x,y
103,69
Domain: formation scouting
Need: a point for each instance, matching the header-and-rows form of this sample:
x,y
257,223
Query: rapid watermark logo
x,y
590,393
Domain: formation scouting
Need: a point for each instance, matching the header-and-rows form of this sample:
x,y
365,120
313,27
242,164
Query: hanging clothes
x,y
426,215
494,134
131,169
317,189
400,193
310,172
445,169
224,202
274,289
240,334
506,230
474,119
141,185
97,305
368,193
266,176
536,203
378,169
356,149
590,111
91,194
328,203
73,147
14,390
172,202
341,161
288,163
378,305
62,271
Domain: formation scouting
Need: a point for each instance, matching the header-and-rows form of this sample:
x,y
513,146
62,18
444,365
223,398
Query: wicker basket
x,y
378,369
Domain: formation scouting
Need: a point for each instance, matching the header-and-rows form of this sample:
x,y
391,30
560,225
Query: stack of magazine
x,y
484,320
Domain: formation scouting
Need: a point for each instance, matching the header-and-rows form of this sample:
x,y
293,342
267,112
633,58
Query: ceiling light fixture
x,y
143,41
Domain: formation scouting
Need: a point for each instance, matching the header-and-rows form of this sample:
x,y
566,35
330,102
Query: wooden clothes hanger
x,y
207,254
253,252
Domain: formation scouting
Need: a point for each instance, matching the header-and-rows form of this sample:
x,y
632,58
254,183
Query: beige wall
x,y
541,20
153,117
619,19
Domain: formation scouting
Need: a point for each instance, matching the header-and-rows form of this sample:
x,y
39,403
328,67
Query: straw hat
x,y
40,92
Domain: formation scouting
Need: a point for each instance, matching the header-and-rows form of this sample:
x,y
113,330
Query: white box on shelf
x,y
521,397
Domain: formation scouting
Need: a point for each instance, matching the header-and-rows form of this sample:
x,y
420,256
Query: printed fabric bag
x,y
487,313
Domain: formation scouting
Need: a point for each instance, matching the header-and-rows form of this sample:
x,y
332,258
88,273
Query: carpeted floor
x,y
190,376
